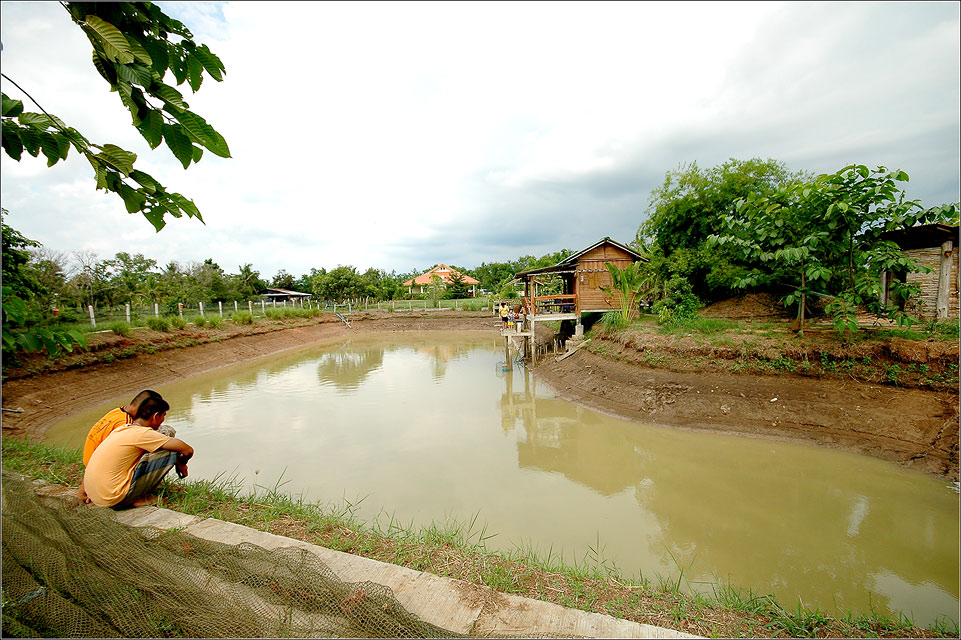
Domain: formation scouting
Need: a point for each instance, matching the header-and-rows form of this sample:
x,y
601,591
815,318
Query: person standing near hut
x,y
504,312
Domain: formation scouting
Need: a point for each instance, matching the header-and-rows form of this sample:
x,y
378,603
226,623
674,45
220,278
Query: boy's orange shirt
x,y
103,428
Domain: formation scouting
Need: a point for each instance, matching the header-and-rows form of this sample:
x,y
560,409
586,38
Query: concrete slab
x,y
155,517
451,604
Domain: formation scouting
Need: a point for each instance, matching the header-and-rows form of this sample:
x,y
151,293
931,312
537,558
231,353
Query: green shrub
x,y
158,324
121,328
178,323
613,320
213,322
242,317
678,303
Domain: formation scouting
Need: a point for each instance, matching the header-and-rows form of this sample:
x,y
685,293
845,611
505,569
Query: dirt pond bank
x,y
916,427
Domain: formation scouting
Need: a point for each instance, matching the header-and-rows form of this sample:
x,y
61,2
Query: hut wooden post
x,y
944,281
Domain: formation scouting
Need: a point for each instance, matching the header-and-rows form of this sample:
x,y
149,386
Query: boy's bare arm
x,y
181,447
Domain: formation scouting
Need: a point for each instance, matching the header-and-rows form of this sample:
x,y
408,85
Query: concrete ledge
x,y
451,604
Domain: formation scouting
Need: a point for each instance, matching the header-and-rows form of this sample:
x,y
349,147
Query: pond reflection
x,y
427,426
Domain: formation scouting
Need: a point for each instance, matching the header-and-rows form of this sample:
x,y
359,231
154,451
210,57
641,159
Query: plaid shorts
x,y
147,475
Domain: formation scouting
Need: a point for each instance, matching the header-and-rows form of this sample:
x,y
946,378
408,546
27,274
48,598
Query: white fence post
x,y
262,310
156,310
180,310
127,309
220,308
250,306
235,306
201,309
93,321
285,303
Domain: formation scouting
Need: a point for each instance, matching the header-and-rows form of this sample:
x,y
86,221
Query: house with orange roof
x,y
421,283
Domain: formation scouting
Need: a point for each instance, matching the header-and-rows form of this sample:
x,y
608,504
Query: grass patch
x,y
459,550
699,325
212,322
161,324
120,328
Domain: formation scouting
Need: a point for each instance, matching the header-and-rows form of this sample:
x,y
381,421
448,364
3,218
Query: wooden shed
x,y
583,274
934,246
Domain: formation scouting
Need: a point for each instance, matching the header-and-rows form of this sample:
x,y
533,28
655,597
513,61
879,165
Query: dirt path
x,y
914,427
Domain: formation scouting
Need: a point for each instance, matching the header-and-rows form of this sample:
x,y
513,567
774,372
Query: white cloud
x,y
398,135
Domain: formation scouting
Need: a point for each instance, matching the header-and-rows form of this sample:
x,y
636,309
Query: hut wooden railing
x,y
560,303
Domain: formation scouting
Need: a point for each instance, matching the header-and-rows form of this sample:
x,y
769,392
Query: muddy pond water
x,y
428,427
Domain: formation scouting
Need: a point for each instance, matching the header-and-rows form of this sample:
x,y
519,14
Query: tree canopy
x,y
134,45
689,206
822,237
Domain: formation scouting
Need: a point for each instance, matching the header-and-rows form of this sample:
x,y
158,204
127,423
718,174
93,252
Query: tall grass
x,y
159,324
120,328
697,324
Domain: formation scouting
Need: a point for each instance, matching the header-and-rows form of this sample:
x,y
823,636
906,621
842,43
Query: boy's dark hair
x,y
143,395
150,406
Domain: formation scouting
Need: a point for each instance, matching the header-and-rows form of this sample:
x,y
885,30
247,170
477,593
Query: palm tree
x,y
629,283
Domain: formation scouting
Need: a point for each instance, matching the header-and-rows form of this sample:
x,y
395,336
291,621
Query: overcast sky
x,y
399,135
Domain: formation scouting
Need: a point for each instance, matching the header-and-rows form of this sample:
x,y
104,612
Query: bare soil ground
x,y
683,382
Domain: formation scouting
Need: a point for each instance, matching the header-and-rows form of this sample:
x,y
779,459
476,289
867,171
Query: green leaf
x,y
179,68
179,143
79,142
901,176
121,159
144,180
78,337
139,52
152,128
155,216
135,74
157,48
14,308
203,132
186,205
115,45
168,94
40,120
126,97
51,148
11,108
11,141
132,199
101,176
29,341
198,154
195,71
109,72
211,62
